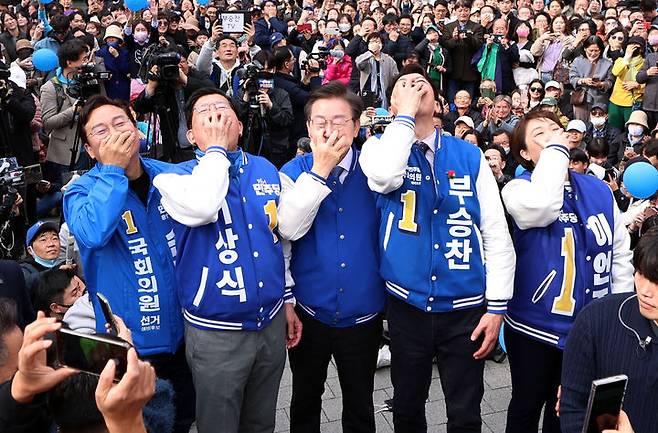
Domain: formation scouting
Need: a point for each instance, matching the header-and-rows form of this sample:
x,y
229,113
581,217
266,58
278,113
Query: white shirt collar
x,y
346,162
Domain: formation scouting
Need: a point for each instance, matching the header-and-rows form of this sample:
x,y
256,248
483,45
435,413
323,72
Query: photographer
x,y
298,91
165,95
272,106
219,59
17,109
60,109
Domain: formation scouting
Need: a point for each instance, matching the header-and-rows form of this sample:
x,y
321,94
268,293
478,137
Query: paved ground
x,y
497,393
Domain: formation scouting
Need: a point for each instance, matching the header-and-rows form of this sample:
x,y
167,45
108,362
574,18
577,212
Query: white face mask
x,y
636,130
344,28
597,120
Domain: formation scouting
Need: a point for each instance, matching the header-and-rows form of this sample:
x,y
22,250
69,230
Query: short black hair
x,y
369,18
645,257
390,19
594,40
281,56
225,37
72,403
374,35
413,68
497,148
335,89
88,39
598,148
194,98
578,155
60,23
98,101
70,51
650,148
50,288
8,321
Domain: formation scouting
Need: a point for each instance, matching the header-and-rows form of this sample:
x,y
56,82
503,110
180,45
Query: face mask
x,y
374,47
344,28
523,32
141,37
338,54
636,130
44,262
113,44
653,39
597,121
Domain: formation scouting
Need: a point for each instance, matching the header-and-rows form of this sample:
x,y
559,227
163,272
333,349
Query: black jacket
x,y
16,114
354,49
23,418
450,118
12,286
166,106
298,94
276,145
399,49
462,50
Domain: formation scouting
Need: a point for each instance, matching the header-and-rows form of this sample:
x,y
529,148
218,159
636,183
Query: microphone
x,y
645,343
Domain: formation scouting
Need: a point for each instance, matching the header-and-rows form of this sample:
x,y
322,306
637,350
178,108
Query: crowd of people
x,y
250,181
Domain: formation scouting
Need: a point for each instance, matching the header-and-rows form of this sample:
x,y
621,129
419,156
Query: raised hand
x,y
408,96
327,153
117,149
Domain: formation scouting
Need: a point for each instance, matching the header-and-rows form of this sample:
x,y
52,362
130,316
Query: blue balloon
x,y
45,2
45,60
381,112
641,180
519,171
136,5
202,2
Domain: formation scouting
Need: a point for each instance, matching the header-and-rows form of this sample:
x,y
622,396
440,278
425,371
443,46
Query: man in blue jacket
x,y
127,244
441,217
329,214
230,271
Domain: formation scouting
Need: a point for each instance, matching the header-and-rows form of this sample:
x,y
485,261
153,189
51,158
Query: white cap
x,y
577,125
467,120
553,84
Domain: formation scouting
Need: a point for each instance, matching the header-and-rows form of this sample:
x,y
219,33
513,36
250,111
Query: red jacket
x,y
338,70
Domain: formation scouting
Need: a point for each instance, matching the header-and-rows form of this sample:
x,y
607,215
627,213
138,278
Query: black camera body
x,y
87,82
321,57
167,62
5,87
497,39
11,177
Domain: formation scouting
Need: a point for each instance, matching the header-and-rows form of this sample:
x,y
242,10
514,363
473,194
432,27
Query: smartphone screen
x,y
90,353
488,93
604,404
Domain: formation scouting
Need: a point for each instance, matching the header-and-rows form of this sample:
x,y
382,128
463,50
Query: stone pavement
x,y
497,393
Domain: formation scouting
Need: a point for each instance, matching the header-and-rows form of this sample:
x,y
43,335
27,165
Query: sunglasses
x,y
536,89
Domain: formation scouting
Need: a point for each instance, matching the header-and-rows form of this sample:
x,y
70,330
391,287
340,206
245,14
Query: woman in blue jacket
x,y
117,61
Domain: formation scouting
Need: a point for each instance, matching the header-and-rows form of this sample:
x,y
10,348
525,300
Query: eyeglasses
x,y
204,108
616,38
102,131
336,122
536,89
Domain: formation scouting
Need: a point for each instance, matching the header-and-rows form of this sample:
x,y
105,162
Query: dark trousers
x,y
355,350
174,368
417,338
456,85
535,369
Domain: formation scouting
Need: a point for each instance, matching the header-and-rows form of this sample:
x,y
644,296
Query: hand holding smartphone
x,y
605,401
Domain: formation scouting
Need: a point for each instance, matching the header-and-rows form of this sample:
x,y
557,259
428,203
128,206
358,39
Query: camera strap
x,y
59,93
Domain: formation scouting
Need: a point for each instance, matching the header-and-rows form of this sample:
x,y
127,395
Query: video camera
x,y
166,61
86,82
321,57
379,123
11,177
250,79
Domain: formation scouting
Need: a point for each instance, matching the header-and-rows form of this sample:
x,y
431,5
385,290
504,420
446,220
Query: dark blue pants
x,y
355,350
417,338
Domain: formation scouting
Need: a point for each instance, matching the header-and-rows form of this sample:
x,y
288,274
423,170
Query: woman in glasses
x,y
536,93
616,41
572,219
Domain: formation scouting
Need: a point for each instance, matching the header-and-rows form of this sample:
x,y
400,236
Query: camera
x,y
86,82
166,61
497,39
11,177
321,57
379,124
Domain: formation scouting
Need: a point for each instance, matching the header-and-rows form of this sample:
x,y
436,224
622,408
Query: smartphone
x,y
605,400
332,31
107,313
70,245
304,27
33,174
90,352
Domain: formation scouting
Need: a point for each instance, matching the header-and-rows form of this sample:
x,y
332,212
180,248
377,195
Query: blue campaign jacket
x,y
429,234
563,267
335,265
230,273
128,252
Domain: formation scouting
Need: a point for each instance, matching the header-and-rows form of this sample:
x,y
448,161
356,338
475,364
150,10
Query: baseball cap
x,y
467,120
549,100
275,38
577,125
38,228
554,84
603,107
